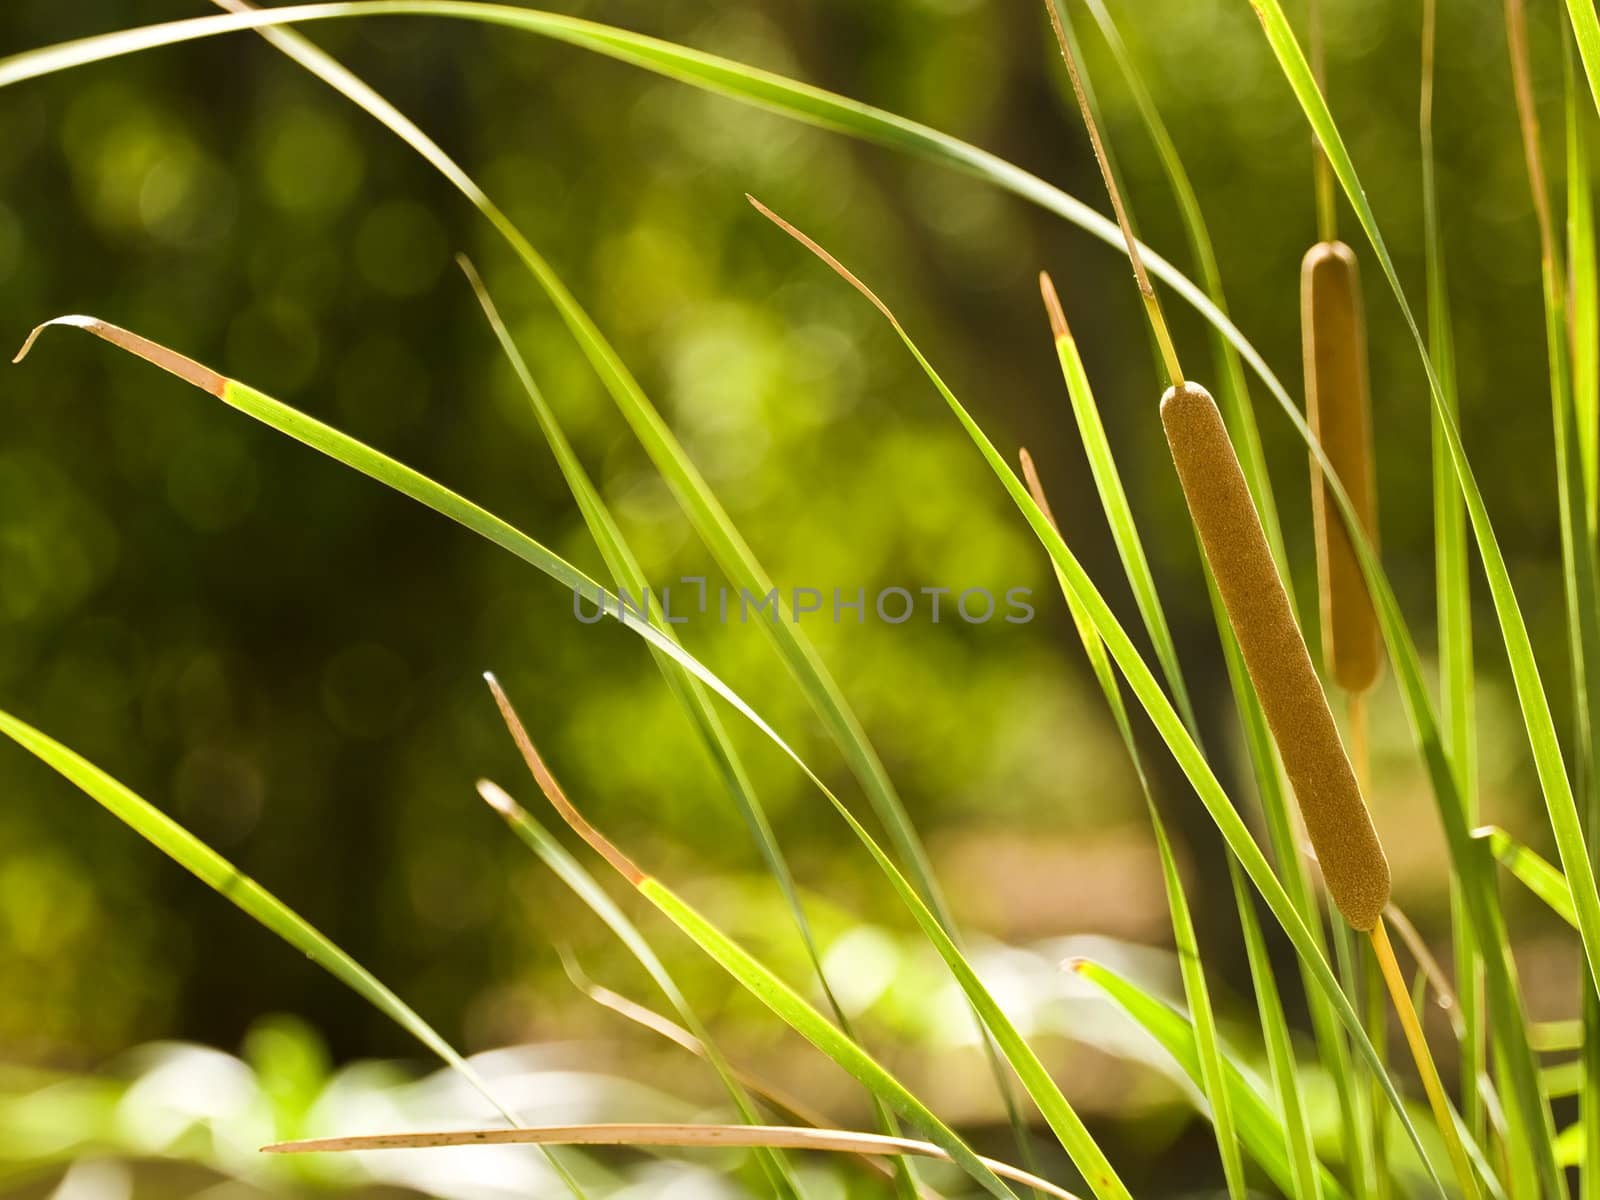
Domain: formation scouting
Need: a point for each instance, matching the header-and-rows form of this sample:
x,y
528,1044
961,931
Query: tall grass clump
x,y
1497,1130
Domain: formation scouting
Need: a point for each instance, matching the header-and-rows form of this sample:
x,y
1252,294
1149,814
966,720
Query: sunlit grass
x,y
1505,1141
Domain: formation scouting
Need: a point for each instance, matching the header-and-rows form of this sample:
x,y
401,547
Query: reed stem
x,y
1400,995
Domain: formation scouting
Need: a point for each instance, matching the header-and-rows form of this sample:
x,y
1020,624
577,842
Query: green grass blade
x,y
381,468
1533,871
1190,963
583,885
1086,1155
1306,1170
623,564
1114,500
1260,1126
217,873
750,973
1452,589
1585,292
1586,29
1559,799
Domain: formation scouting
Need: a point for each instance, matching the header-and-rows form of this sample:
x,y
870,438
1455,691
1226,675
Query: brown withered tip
x,y
1275,654
1339,412
552,790
1052,305
1030,476
185,368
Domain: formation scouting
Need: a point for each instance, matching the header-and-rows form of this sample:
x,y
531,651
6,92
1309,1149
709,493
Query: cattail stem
x,y
1401,997
1327,209
1147,291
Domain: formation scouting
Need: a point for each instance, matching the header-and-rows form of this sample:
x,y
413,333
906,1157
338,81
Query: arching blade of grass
x,y
708,72
1586,29
414,485
578,880
1260,1126
701,1137
1148,691
1058,1113
1559,799
216,872
722,76
1190,963
1452,589
1114,500
1306,1169
1532,871
624,566
705,512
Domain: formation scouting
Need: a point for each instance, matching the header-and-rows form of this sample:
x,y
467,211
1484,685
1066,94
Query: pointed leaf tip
x,y
498,799
167,359
1052,306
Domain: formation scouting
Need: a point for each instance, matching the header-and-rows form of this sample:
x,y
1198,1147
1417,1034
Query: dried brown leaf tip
x,y
1052,305
169,360
552,790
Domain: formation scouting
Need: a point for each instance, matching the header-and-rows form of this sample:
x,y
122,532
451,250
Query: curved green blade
x,y
1261,1128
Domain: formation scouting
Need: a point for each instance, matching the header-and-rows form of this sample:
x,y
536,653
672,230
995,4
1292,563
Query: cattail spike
x,y
1336,818
1338,409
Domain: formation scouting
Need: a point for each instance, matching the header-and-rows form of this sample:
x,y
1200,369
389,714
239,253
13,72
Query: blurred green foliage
x,y
287,658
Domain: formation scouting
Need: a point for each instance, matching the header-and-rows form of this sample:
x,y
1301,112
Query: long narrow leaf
x,y
1261,1128
1533,871
701,1137
205,864
1190,964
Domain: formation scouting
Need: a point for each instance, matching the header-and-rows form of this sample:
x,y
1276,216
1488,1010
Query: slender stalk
x,y
1147,291
1400,994
1327,209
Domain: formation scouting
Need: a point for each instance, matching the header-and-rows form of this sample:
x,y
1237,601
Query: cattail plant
x,y
1325,785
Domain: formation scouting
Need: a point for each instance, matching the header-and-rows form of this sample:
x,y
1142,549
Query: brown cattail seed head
x,y
1338,408
1353,865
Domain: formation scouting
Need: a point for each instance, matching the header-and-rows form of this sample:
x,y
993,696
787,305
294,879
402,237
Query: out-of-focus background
x,y
287,658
